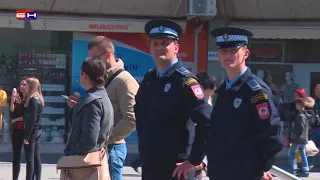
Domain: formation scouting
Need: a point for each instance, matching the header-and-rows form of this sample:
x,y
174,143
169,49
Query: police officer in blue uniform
x,y
244,113
244,132
168,96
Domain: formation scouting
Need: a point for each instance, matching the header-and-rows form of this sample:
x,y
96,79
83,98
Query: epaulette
x,y
150,71
182,70
254,85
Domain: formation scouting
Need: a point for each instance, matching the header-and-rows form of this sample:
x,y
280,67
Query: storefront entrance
x,y
47,56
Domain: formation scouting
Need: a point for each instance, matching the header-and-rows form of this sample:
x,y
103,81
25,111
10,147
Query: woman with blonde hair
x,y
32,132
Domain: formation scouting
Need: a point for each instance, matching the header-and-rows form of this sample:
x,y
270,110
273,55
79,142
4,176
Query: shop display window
x,y
47,56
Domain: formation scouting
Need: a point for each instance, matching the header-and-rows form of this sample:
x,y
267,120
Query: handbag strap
x,y
112,77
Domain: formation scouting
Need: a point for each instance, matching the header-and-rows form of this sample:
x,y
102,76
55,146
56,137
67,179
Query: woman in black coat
x,y
32,131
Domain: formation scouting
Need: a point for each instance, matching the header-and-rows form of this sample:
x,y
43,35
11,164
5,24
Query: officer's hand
x,y
183,169
267,176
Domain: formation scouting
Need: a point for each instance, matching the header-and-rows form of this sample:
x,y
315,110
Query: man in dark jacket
x,y
168,96
244,134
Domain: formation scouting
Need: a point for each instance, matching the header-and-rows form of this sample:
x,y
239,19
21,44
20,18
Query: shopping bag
x,y
311,149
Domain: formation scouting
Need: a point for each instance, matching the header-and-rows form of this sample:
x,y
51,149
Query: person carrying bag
x,y
93,166
92,121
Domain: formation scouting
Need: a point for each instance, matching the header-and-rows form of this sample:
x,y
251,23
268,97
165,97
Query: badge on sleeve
x,y
259,97
197,91
167,87
237,102
191,81
263,110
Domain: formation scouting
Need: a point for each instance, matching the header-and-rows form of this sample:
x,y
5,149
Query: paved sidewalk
x,y
49,173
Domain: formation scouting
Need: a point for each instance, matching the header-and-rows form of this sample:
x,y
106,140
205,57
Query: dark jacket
x,y
288,113
163,108
92,122
300,127
244,134
32,119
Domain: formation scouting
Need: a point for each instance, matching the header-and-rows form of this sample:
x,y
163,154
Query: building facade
x,y
53,47
286,38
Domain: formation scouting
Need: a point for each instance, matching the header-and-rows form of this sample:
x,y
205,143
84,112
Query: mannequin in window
x,y
287,89
265,75
260,74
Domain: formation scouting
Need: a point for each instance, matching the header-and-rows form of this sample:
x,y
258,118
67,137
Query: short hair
x,y
101,42
208,82
95,69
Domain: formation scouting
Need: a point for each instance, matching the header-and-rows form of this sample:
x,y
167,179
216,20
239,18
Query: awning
x,y
10,21
292,30
82,24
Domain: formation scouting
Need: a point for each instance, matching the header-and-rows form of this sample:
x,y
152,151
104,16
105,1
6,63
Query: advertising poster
x,y
132,48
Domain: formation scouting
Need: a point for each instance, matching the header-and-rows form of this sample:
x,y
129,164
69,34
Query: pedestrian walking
x,y
244,131
168,96
299,135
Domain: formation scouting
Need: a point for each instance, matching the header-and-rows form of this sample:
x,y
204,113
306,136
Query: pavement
x,y
49,171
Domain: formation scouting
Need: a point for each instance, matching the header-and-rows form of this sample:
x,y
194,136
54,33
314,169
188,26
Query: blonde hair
x,y
34,90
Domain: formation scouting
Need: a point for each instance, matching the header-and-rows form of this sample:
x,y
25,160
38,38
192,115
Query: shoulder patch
x,y
182,70
259,96
190,81
254,85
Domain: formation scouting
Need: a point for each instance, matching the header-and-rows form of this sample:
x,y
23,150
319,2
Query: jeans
x,y
117,156
292,158
17,142
33,159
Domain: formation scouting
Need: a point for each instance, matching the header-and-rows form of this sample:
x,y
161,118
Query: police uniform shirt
x,y
245,126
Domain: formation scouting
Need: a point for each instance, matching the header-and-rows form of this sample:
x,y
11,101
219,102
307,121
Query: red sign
x,y
26,15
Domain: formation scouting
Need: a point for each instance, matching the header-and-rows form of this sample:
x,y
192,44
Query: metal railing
x,y
276,171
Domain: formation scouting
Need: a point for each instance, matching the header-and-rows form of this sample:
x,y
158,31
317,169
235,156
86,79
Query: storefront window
x,y
266,51
47,56
303,51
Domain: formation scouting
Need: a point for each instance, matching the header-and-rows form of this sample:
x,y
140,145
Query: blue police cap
x,y
231,37
163,28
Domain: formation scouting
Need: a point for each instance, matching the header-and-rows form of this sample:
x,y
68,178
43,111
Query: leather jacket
x,y
32,119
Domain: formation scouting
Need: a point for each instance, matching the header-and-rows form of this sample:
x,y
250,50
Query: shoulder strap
x,y
112,77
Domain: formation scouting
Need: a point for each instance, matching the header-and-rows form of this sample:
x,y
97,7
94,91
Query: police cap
x,y
163,28
231,37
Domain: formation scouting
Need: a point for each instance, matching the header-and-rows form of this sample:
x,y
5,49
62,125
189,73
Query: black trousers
x,y
33,159
162,171
17,142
